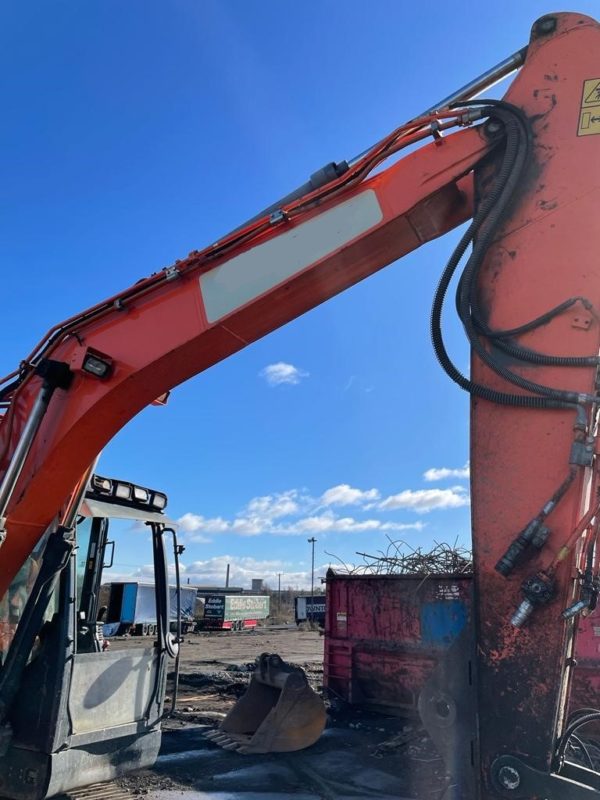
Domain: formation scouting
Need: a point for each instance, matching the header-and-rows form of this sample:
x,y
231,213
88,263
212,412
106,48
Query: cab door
x,y
121,688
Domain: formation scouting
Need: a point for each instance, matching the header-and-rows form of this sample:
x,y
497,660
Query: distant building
x,y
257,584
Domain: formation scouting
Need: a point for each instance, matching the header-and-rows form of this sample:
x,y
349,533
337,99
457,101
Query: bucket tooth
x,y
231,746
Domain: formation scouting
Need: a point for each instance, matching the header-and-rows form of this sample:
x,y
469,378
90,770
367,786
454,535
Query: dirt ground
x,y
360,754
226,660
239,647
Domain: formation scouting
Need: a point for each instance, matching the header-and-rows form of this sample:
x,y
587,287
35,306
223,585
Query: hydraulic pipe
x,y
484,81
472,89
334,170
21,451
55,375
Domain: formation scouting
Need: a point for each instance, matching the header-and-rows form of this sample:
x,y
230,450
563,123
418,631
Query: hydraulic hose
x,y
481,232
468,286
490,202
503,339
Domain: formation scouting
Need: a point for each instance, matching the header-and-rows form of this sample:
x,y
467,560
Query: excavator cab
x,y
73,711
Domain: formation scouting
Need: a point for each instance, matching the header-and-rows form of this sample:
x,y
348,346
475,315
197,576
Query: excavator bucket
x,y
278,713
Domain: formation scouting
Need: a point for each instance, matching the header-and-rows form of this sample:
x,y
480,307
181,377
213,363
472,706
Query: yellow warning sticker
x,y
591,93
589,115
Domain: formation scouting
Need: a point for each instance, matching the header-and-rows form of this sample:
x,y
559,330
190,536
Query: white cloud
x,y
256,518
260,514
190,523
424,500
272,506
249,526
279,373
344,495
320,523
212,571
439,473
293,513
330,523
145,571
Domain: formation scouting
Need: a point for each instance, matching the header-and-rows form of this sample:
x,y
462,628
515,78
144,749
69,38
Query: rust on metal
x,y
393,630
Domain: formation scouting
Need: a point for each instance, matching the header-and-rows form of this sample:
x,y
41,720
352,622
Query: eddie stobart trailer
x,y
233,612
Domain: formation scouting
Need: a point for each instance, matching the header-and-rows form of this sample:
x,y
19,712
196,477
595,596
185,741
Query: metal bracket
x,y
582,453
110,543
582,321
276,216
513,778
171,273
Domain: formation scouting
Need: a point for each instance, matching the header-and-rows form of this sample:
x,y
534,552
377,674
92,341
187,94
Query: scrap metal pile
x,y
400,558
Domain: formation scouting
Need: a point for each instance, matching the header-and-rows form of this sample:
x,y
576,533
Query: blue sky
x,y
135,132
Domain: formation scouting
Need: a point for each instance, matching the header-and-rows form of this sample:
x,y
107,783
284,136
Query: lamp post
x,y
279,593
312,541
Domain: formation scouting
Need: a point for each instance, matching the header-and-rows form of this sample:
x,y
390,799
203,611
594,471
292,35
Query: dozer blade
x,y
278,713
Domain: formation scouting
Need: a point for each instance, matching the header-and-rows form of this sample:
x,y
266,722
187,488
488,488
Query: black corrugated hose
x,y
481,232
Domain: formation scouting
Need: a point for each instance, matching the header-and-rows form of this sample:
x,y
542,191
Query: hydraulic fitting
x,y
521,615
575,609
539,589
534,534
588,599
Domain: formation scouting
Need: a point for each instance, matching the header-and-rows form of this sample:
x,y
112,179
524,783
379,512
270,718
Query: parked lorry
x,y
132,608
233,612
310,609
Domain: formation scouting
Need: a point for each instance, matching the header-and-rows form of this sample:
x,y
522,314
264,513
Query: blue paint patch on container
x,y
442,621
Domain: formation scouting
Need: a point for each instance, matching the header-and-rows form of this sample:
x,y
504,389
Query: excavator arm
x,y
136,346
526,172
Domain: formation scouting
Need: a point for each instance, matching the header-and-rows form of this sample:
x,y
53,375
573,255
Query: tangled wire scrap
x,y
402,559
